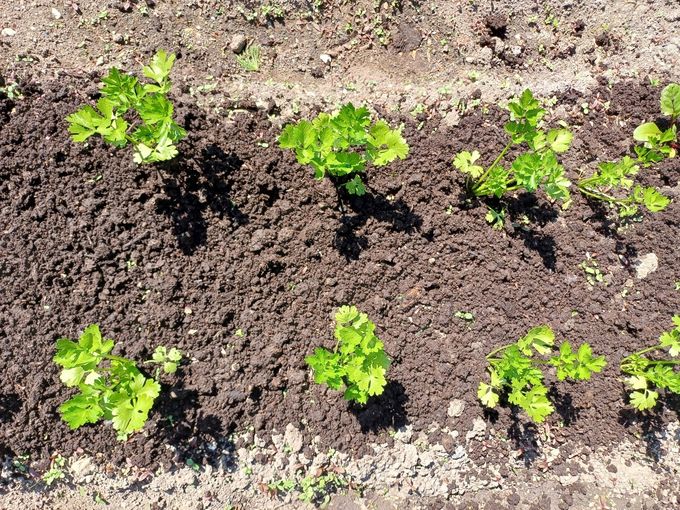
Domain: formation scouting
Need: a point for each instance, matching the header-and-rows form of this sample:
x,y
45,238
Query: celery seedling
x,y
514,369
613,182
533,169
343,144
111,387
647,376
155,134
358,363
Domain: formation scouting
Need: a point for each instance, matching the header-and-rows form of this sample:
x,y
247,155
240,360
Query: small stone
x,y
238,43
55,13
410,458
188,311
325,58
118,38
456,408
645,265
8,32
293,438
478,429
81,468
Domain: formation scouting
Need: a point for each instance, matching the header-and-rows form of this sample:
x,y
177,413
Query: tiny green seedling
x,y
358,363
646,376
111,387
343,144
169,360
249,60
56,472
514,370
592,271
11,91
613,183
466,316
154,134
496,218
536,168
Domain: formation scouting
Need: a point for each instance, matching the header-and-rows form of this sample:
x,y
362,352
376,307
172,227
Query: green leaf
x,y
671,339
536,404
356,186
80,410
646,131
121,89
655,201
559,140
72,376
387,144
464,161
645,399
159,68
670,100
529,170
487,395
346,314
541,338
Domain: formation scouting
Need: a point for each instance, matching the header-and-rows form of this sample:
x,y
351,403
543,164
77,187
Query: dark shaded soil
x,y
234,235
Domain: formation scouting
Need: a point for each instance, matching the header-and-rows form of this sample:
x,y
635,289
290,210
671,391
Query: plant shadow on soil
x,y
525,433
386,411
182,425
193,186
9,406
527,206
652,424
396,213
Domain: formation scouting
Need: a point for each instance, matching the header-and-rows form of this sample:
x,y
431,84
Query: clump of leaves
x,y
358,363
343,144
515,370
152,133
613,182
647,376
535,168
111,387
312,489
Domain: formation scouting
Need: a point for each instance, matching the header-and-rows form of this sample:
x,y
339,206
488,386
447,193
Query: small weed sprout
x,y
358,364
592,271
647,376
515,371
56,472
249,60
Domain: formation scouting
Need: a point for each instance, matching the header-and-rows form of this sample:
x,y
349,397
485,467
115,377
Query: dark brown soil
x,y
235,235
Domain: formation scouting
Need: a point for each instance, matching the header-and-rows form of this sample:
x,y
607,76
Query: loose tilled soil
x,y
234,235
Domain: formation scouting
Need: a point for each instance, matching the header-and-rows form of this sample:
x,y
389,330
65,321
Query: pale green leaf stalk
x,y
515,370
358,364
343,144
153,134
647,376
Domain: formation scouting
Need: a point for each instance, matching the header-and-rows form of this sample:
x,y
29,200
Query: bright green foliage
x,y
341,145
154,134
496,218
168,359
111,387
56,471
535,168
515,369
646,376
358,363
614,183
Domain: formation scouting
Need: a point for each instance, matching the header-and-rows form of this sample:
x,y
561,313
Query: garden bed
x,y
233,253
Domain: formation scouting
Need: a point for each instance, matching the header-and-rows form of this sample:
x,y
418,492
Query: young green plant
x,y
647,376
536,167
358,364
343,144
111,387
152,132
613,183
516,370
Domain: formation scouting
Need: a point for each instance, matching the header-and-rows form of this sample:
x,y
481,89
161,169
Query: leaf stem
x,y
485,175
